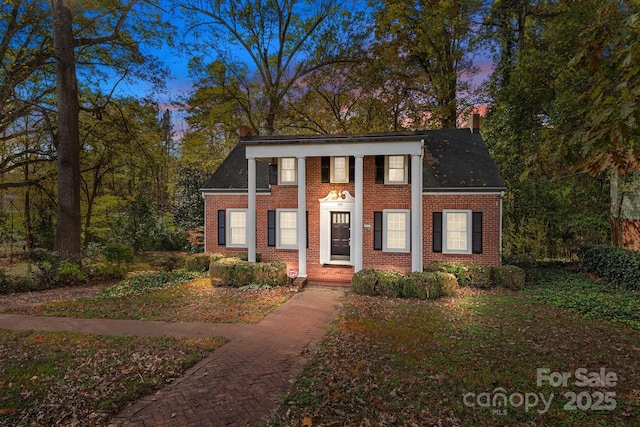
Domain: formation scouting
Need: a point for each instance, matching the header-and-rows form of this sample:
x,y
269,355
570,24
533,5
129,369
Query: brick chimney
x,y
475,123
245,130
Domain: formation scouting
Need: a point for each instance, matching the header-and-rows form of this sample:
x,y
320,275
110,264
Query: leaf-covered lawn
x,y
194,301
393,362
69,379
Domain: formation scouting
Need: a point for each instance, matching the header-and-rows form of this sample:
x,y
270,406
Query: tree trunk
x,y
68,227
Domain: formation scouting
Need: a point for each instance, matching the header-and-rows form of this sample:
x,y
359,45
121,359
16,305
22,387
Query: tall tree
x,y
283,41
430,45
104,26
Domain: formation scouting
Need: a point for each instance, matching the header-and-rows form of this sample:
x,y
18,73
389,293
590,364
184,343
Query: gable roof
x,y
454,160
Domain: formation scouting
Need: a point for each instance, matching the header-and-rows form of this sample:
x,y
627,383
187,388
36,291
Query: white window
x,y
339,169
396,169
396,231
287,169
456,229
287,226
237,228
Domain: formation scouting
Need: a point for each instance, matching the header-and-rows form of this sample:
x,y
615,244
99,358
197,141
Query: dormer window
x,y
287,171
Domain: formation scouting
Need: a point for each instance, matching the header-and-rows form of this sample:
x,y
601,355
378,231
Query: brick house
x,y
390,200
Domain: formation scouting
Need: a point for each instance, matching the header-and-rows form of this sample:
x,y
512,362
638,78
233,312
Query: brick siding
x,y
377,197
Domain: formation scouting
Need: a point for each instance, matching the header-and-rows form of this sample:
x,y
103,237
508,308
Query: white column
x,y
302,217
251,210
356,223
416,212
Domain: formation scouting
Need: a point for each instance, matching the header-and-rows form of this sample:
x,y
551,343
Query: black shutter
x,y
271,228
221,228
325,169
408,159
273,174
377,231
476,227
352,169
437,232
379,169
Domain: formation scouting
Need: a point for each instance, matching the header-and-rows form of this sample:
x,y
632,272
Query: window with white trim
x,y
287,229
340,169
237,228
456,228
396,230
396,169
287,170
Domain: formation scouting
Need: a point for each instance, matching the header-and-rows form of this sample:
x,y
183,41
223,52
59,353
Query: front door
x,y
340,235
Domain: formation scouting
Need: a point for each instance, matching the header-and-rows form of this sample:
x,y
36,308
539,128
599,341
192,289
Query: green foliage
x,y
508,276
47,264
106,271
586,296
618,266
149,282
197,262
365,282
468,274
390,283
235,272
70,273
430,285
115,252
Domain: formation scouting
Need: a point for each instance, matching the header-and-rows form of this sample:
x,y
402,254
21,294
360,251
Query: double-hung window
x,y
237,228
287,171
396,170
456,227
396,230
287,229
340,169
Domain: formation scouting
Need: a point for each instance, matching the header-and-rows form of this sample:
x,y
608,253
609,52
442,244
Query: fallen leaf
x,y
307,421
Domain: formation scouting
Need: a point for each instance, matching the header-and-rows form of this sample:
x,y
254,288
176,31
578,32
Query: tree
x,y
428,43
284,40
101,27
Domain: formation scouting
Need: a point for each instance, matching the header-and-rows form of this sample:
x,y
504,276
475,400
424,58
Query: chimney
x,y
475,123
245,130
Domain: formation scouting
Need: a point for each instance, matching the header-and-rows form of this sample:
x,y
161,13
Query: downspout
x,y
501,200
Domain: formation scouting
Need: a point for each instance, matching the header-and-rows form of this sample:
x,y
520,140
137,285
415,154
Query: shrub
x,y
508,276
620,267
390,283
70,273
13,284
117,253
365,282
47,263
107,271
234,272
197,262
430,285
468,274
427,285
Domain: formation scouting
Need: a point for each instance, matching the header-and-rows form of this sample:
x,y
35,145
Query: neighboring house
x,y
328,204
625,210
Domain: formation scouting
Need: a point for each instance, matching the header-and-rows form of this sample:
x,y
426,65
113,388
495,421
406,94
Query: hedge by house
x,y
232,271
481,276
618,266
429,285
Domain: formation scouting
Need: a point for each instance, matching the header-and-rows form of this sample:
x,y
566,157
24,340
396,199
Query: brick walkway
x,y
241,383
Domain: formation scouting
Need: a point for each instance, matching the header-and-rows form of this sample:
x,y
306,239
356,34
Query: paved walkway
x,y
241,383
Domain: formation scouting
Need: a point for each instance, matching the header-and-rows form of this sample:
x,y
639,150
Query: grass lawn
x,y
472,360
187,300
78,379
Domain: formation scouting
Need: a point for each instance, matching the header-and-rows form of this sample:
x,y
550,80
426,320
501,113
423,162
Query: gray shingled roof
x,y
455,160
